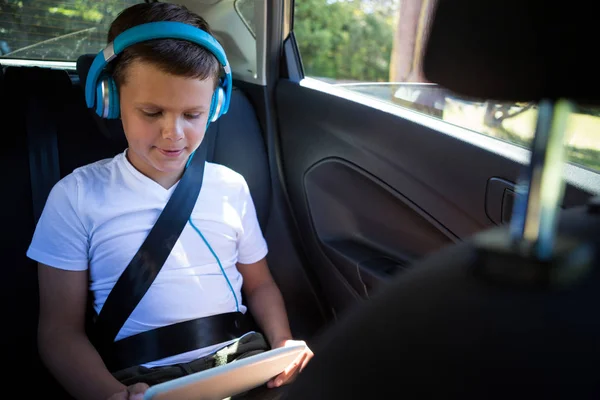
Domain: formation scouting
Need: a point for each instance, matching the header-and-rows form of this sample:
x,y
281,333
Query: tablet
x,y
224,381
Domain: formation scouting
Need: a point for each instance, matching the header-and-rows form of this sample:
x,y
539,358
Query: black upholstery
x,y
18,286
239,145
517,50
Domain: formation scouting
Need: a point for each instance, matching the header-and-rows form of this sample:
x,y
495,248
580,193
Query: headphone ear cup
x,y
99,100
213,106
115,106
111,108
216,104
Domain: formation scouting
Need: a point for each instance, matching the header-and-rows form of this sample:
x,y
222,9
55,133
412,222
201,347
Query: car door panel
x,y
372,191
341,198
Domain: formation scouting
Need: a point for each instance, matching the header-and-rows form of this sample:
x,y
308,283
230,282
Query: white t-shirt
x,y
99,215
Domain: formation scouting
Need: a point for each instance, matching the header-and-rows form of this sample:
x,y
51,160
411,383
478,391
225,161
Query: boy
x,y
98,216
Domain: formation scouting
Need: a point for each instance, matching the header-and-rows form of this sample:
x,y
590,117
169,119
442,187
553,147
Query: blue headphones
x,y
100,88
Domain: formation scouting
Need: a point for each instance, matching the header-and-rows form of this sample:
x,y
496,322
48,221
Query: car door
x,y
379,174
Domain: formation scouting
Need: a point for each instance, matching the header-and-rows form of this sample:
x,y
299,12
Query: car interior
x,y
353,194
506,313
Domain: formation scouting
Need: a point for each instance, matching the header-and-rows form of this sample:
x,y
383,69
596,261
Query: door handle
x,y
365,268
508,201
382,267
499,200
376,272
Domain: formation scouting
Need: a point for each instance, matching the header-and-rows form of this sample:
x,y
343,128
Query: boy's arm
x,y
265,301
63,344
267,307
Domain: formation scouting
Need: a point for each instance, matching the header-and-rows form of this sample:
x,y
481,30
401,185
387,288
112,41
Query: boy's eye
x,y
151,114
192,116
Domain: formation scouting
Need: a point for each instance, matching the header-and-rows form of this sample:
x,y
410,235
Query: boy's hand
x,y
133,392
290,373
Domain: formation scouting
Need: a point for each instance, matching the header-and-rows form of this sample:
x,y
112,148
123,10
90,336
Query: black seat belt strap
x,y
151,256
211,137
43,152
175,339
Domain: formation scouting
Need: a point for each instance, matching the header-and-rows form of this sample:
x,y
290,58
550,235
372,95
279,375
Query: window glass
x,y
374,47
245,9
56,30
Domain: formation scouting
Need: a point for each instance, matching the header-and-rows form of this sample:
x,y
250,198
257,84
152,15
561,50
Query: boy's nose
x,y
172,130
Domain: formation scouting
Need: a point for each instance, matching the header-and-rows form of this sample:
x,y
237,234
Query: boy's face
x,y
164,118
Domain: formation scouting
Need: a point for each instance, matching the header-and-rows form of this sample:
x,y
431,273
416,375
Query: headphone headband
x,y
157,30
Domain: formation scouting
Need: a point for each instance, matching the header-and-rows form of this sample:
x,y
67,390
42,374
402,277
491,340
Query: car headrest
x,y
515,50
83,66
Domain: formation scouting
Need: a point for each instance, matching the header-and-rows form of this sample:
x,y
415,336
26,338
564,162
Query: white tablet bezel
x,y
227,380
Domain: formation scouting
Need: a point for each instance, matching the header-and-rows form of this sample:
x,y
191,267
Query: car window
x,y
374,47
56,30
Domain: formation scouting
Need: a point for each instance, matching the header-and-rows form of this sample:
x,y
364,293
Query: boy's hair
x,y
173,56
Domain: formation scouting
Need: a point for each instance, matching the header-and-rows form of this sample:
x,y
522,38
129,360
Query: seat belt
x,y
177,338
138,277
44,170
